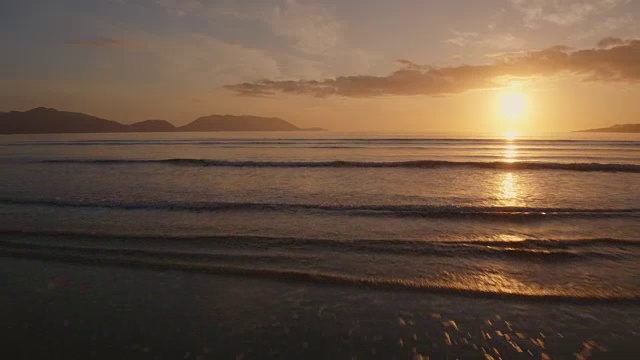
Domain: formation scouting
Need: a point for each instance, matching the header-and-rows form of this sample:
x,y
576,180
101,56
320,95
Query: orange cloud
x,y
609,42
615,60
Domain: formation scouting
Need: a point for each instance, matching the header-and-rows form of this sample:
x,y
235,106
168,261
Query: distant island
x,y
624,128
51,121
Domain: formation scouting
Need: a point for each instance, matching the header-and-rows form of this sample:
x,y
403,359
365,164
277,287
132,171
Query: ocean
x,y
321,245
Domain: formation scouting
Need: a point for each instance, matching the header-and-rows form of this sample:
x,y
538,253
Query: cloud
x,y
461,38
302,37
198,59
494,41
610,42
497,15
205,59
99,42
501,42
410,65
562,12
184,62
607,26
180,7
208,9
312,29
616,63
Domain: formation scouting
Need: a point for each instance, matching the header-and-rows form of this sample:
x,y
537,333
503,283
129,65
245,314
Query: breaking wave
x,y
414,164
426,211
202,263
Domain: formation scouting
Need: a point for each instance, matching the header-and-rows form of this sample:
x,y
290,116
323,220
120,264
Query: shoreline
x,y
108,312
301,277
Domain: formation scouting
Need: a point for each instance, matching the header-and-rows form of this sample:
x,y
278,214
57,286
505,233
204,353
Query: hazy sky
x,y
406,65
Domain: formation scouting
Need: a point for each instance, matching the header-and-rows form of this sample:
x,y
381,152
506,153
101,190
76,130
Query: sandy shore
x,y
55,310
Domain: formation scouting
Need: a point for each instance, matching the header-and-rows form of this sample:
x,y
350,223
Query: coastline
x,y
166,314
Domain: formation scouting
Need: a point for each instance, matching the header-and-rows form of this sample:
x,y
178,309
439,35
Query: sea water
x,y
552,219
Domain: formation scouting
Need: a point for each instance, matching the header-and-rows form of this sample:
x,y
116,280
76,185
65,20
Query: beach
x,y
76,311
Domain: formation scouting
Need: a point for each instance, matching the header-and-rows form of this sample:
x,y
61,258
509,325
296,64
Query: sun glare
x,y
512,105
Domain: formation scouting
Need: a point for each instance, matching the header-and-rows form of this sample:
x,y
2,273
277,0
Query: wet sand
x,y
56,310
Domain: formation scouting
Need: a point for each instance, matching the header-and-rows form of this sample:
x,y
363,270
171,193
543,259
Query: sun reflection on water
x,y
510,153
507,238
494,279
508,190
501,282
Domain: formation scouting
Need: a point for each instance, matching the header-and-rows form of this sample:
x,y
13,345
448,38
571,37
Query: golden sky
x,y
411,65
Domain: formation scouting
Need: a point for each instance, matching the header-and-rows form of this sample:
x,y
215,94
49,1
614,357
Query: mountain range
x,y
618,128
51,121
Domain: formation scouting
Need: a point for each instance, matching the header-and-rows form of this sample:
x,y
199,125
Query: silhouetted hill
x,y
152,126
238,123
51,121
624,128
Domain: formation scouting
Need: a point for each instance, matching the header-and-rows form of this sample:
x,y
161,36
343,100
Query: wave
x,y
441,250
426,211
527,249
414,164
155,253
168,262
271,240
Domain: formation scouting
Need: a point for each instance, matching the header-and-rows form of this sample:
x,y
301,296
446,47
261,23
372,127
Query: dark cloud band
x,y
614,60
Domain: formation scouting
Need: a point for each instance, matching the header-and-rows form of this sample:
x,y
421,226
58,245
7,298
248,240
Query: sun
x,y
512,105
